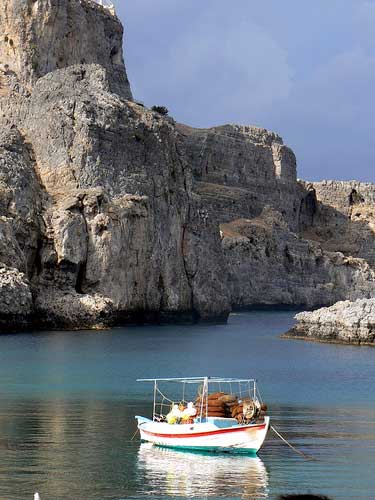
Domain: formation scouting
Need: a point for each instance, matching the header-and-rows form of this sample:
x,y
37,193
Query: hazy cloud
x,y
218,66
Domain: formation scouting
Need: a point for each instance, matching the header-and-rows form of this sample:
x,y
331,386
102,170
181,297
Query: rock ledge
x,y
345,322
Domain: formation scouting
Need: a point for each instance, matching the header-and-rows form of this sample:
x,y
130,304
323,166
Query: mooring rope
x,y
307,457
136,432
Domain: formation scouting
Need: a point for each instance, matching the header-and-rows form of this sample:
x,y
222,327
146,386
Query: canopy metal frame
x,y
246,386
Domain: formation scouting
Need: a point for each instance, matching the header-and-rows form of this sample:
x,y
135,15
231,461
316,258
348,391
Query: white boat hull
x,y
206,436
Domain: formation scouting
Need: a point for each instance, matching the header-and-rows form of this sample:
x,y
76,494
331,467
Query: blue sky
x,y
304,69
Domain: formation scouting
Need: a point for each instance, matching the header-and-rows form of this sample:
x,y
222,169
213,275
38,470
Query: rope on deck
x,y
307,457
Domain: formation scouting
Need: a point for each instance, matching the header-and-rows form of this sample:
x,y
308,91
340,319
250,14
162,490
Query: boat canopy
x,y
199,380
196,391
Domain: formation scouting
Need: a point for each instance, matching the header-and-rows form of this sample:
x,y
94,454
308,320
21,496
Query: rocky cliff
x,y
345,322
239,170
344,218
98,208
41,36
278,232
112,213
271,265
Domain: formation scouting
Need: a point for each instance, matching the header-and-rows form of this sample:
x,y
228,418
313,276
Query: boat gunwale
x,y
232,429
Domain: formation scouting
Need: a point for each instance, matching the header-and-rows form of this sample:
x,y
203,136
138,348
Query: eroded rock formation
x,y
285,242
239,170
41,36
16,304
101,215
271,265
344,219
345,322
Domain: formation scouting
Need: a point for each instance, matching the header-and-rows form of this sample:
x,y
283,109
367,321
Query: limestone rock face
x,y
239,170
269,264
69,310
16,304
97,201
344,218
269,221
21,198
121,219
130,198
341,217
41,36
345,322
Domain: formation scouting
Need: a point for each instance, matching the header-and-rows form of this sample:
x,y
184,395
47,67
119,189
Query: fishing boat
x,y
206,414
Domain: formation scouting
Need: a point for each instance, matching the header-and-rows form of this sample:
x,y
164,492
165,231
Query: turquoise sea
x,y
68,400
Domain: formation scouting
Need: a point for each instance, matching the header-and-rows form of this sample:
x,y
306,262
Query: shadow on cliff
x,y
352,234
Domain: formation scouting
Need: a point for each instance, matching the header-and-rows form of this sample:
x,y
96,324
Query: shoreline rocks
x,y
345,322
16,304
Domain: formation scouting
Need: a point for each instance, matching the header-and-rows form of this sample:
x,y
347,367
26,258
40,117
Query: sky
x,y
302,68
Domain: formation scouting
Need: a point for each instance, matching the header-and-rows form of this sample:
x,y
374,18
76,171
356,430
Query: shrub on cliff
x,y
162,110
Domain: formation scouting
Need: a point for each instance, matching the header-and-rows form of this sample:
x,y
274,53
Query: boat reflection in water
x,y
201,474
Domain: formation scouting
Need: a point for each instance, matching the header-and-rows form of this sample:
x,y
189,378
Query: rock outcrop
x,y
41,36
345,322
343,218
271,265
16,304
108,228
273,225
239,170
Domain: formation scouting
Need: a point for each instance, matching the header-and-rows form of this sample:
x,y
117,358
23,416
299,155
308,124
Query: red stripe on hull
x,y
202,434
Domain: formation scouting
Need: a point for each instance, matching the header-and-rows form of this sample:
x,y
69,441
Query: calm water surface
x,y
68,400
